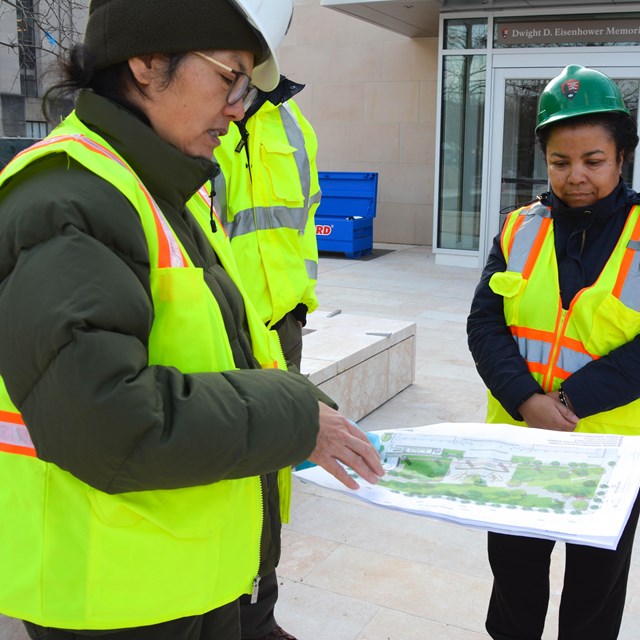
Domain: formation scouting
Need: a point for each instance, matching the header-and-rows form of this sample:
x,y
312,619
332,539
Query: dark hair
x,y
77,71
621,127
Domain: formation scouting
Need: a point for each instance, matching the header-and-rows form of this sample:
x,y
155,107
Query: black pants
x,y
593,593
290,334
220,624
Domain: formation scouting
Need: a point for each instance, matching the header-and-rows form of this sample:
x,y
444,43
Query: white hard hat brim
x,y
272,23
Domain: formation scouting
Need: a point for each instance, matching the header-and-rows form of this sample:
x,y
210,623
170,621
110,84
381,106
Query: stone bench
x,y
359,361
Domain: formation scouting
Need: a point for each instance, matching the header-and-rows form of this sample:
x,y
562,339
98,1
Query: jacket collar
x,y
605,208
168,173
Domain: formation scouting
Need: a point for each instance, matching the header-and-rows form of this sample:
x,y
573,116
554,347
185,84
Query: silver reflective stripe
x,y
539,352
315,198
296,140
525,237
534,350
220,199
630,294
278,217
177,259
571,360
263,218
312,269
15,434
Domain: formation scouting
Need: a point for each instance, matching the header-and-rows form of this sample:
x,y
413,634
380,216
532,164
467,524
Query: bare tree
x,y
45,25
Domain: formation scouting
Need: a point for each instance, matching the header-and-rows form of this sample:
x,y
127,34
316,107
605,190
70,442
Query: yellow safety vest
x,y
77,558
269,211
556,342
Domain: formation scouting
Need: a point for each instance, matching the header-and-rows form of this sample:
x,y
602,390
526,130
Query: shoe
x,y
278,634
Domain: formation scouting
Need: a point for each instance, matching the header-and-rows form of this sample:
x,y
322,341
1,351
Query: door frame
x,y
524,66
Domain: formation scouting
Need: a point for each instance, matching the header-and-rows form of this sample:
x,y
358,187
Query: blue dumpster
x,y
344,219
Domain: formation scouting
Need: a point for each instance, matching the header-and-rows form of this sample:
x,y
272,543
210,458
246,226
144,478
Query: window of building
x,y
466,33
26,48
463,107
36,129
464,80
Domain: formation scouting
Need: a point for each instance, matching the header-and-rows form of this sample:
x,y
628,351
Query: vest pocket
x,y
609,325
193,512
509,285
188,329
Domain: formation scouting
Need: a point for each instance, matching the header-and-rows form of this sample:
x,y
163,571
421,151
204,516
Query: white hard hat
x,y
271,19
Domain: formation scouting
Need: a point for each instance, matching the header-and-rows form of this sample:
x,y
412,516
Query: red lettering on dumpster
x,y
323,230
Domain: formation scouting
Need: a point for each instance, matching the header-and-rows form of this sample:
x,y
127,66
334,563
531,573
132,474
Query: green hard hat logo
x,y
578,91
570,88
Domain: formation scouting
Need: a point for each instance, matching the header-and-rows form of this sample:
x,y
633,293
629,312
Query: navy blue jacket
x,y
584,239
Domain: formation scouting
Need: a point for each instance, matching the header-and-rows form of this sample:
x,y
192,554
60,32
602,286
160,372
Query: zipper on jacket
x,y
561,326
254,589
256,581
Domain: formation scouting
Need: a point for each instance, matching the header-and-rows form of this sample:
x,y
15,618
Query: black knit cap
x,y
121,29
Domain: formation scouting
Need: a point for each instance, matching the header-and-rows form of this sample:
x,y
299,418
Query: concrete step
x,y
359,361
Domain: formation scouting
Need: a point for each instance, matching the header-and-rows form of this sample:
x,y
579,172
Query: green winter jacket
x,y
75,317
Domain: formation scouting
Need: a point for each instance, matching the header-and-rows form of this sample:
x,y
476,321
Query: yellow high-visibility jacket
x,y
268,211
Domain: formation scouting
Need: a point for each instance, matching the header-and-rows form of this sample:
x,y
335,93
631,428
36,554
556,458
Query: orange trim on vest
x,y
576,345
531,334
626,263
514,230
13,418
18,450
560,324
10,418
164,248
537,367
535,249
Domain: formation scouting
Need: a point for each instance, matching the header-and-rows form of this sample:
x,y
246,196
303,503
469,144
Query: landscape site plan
x,y
576,487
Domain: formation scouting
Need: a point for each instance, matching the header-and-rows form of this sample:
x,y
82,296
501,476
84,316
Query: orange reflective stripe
x,y
627,260
13,418
532,334
537,367
514,231
169,252
16,449
561,322
14,435
535,249
576,345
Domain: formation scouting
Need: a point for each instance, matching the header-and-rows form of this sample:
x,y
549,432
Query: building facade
x,y
33,33
440,97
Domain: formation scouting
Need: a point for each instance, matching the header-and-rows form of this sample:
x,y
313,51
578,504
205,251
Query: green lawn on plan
x,y
533,484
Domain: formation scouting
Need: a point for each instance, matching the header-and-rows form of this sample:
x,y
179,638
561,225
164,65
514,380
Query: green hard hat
x,y
578,91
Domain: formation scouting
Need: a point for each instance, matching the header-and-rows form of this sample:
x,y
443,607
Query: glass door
x,y
523,173
517,171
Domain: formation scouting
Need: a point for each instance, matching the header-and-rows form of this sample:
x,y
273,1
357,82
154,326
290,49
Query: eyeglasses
x,y
240,89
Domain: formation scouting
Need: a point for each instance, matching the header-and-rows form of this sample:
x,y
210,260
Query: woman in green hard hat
x,y
553,330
